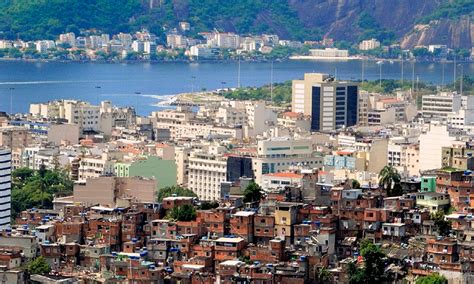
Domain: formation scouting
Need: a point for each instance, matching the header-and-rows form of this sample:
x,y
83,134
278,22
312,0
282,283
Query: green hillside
x,y
39,19
290,19
450,10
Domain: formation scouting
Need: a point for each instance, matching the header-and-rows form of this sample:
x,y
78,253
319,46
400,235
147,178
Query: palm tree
x,y
389,179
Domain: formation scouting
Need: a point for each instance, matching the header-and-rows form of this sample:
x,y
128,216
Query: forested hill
x,y
444,21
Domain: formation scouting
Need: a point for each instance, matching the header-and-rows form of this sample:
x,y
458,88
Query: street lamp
x,y
192,83
462,78
11,100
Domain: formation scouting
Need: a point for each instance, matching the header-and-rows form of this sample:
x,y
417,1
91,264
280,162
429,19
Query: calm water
x,y
40,82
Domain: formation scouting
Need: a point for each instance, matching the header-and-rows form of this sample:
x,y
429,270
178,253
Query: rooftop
x,y
284,175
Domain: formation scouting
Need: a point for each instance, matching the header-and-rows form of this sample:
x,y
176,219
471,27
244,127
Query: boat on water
x,y
98,87
137,93
379,62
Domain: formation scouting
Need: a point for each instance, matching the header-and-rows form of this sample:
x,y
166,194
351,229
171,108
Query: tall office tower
x,y
331,104
5,187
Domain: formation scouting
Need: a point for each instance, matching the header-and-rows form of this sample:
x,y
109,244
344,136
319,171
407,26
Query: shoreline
x,y
323,58
291,58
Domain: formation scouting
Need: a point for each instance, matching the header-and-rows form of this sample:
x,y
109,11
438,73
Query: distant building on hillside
x,y
329,52
369,44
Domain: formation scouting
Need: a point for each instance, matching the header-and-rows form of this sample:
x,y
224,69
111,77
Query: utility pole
x,y
380,75
238,75
442,75
454,71
413,77
271,81
11,100
402,71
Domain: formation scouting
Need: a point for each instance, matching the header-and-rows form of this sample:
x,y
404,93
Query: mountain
x,y
406,21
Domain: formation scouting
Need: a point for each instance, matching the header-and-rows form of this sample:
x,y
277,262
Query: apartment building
x,y
184,125
280,154
206,171
329,52
369,44
404,157
5,186
15,137
96,166
227,40
440,106
331,104
89,117
431,143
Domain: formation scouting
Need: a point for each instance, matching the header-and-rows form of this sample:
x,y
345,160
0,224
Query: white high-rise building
x,y
207,170
5,187
439,106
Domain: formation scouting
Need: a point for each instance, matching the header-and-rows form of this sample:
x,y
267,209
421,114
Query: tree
x,y
38,266
374,264
355,183
323,275
21,175
434,278
252,193
389,179
174,191
206,205
183,213
37,188
443,225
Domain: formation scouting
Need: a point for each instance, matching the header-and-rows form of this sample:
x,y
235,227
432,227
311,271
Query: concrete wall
x,y
137,188
96,191
63,132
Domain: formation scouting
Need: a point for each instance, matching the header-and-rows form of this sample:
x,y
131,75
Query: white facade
x,y
176,41
260,117
228,40
298,97
138,46
439,106
6,44
5,187
369,44
94,167
280,154
281,180
461,118
68,38
42,46
202,51
206,171
329,52
431,143
149,47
